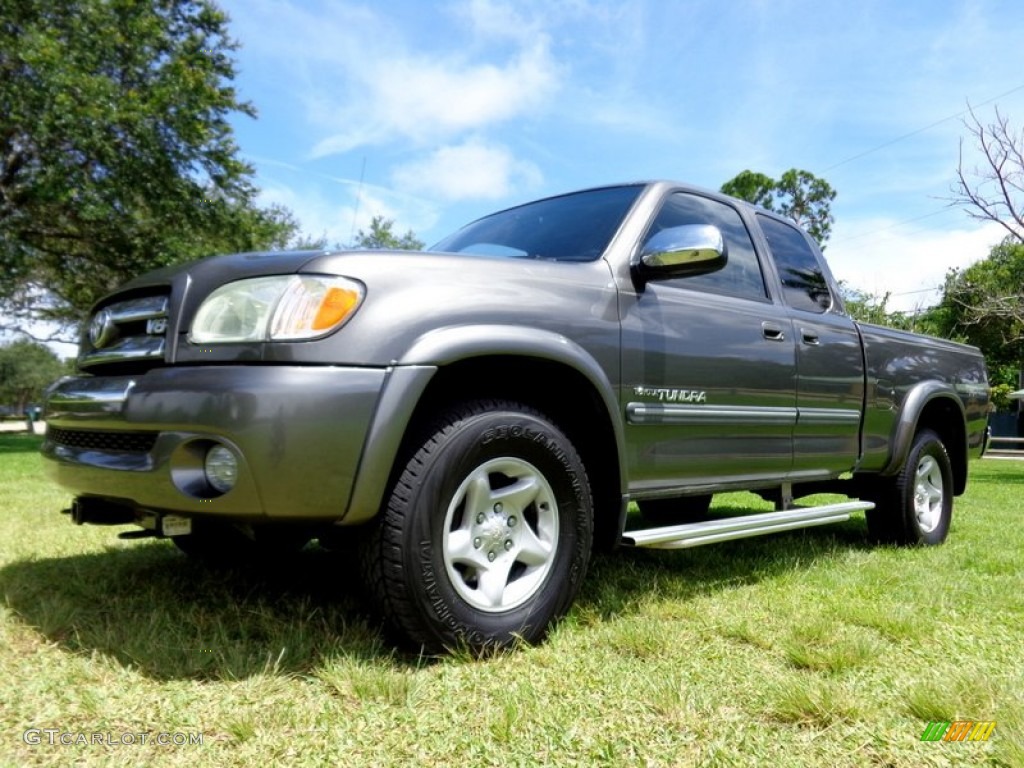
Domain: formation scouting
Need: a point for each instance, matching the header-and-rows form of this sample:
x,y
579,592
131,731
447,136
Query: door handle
x,y
809,336
772,332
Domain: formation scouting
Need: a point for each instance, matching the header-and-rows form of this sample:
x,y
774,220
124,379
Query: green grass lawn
x,y
803,649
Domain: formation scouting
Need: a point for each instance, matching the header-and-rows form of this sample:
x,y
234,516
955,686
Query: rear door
x,y
829,359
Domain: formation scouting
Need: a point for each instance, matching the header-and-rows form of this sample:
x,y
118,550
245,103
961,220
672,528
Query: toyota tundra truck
x,y
474,421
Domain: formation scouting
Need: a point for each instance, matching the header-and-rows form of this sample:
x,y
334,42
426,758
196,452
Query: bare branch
x,y
62,336
996,192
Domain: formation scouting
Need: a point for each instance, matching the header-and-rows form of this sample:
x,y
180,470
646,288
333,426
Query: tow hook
x,y
97,512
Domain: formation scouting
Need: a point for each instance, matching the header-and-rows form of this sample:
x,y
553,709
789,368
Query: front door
x,y
708,363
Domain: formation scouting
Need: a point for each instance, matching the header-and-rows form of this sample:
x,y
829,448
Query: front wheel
x,y
915,506
487,531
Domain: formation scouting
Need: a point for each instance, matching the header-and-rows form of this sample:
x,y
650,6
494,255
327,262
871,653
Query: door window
x,y
803,280
741,276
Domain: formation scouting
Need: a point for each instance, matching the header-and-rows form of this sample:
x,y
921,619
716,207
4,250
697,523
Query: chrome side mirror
x,y
691,249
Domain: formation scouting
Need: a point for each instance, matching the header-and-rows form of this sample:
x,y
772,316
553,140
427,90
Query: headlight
x,y
285,307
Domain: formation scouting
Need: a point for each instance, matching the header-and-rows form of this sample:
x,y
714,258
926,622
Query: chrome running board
x,y
729,528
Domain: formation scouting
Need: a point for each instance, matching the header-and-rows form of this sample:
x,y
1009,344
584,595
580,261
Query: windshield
x,y
575,227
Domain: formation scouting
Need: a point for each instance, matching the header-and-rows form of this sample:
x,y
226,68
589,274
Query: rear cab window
x,y
804,285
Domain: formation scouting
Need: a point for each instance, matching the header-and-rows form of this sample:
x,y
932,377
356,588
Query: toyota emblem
x,y
102,329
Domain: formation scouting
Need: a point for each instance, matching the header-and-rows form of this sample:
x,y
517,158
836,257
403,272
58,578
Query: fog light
x,y
221,468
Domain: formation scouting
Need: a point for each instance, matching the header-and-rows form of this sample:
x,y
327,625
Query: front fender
x,y
448,345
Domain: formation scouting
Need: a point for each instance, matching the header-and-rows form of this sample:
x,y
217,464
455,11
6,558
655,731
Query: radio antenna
x,y
359,199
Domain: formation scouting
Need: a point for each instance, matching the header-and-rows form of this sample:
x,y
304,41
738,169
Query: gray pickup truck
x,y
477,419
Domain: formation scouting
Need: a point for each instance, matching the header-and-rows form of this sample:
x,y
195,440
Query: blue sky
x,y
434,113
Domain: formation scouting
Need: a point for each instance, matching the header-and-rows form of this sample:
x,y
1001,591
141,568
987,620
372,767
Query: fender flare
x,y
410,374
913,405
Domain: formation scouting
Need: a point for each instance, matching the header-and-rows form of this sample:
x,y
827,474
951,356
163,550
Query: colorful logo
x,y
958,730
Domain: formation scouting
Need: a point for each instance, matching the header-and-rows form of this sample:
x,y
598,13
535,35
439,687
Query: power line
x,y
922,130
920,290
906,136
890,226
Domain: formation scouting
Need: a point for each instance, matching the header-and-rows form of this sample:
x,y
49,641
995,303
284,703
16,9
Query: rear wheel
x,y
915,506
487,531
687,509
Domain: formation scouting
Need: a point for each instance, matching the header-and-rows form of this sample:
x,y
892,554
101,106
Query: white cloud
x,y
912,265
471,170
424,98
594,21
499,21
321,214
317,216
363,77
446,100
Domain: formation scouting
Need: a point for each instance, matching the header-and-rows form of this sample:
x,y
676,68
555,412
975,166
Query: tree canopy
x,y
798,195
382,237
116,155
753,187
983,305
26,368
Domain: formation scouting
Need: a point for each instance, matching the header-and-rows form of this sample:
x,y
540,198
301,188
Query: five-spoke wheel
x,y
501,534
928,493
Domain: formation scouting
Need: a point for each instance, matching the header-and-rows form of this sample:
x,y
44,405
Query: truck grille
x,y
128,331
99,440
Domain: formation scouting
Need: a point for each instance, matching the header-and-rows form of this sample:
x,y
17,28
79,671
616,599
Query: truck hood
x,y
409,294
217,270
206,275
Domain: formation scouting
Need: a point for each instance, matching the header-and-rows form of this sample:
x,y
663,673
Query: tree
x,y
874,308
984,305
26,368
380,237
869,308
994,190
309,243
798,195
116,155
753,187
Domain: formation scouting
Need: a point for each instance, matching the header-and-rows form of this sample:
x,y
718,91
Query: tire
x,y
916,506
687,509
487,531
216,543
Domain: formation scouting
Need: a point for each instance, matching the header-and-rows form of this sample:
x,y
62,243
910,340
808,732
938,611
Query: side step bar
x,y
727,529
